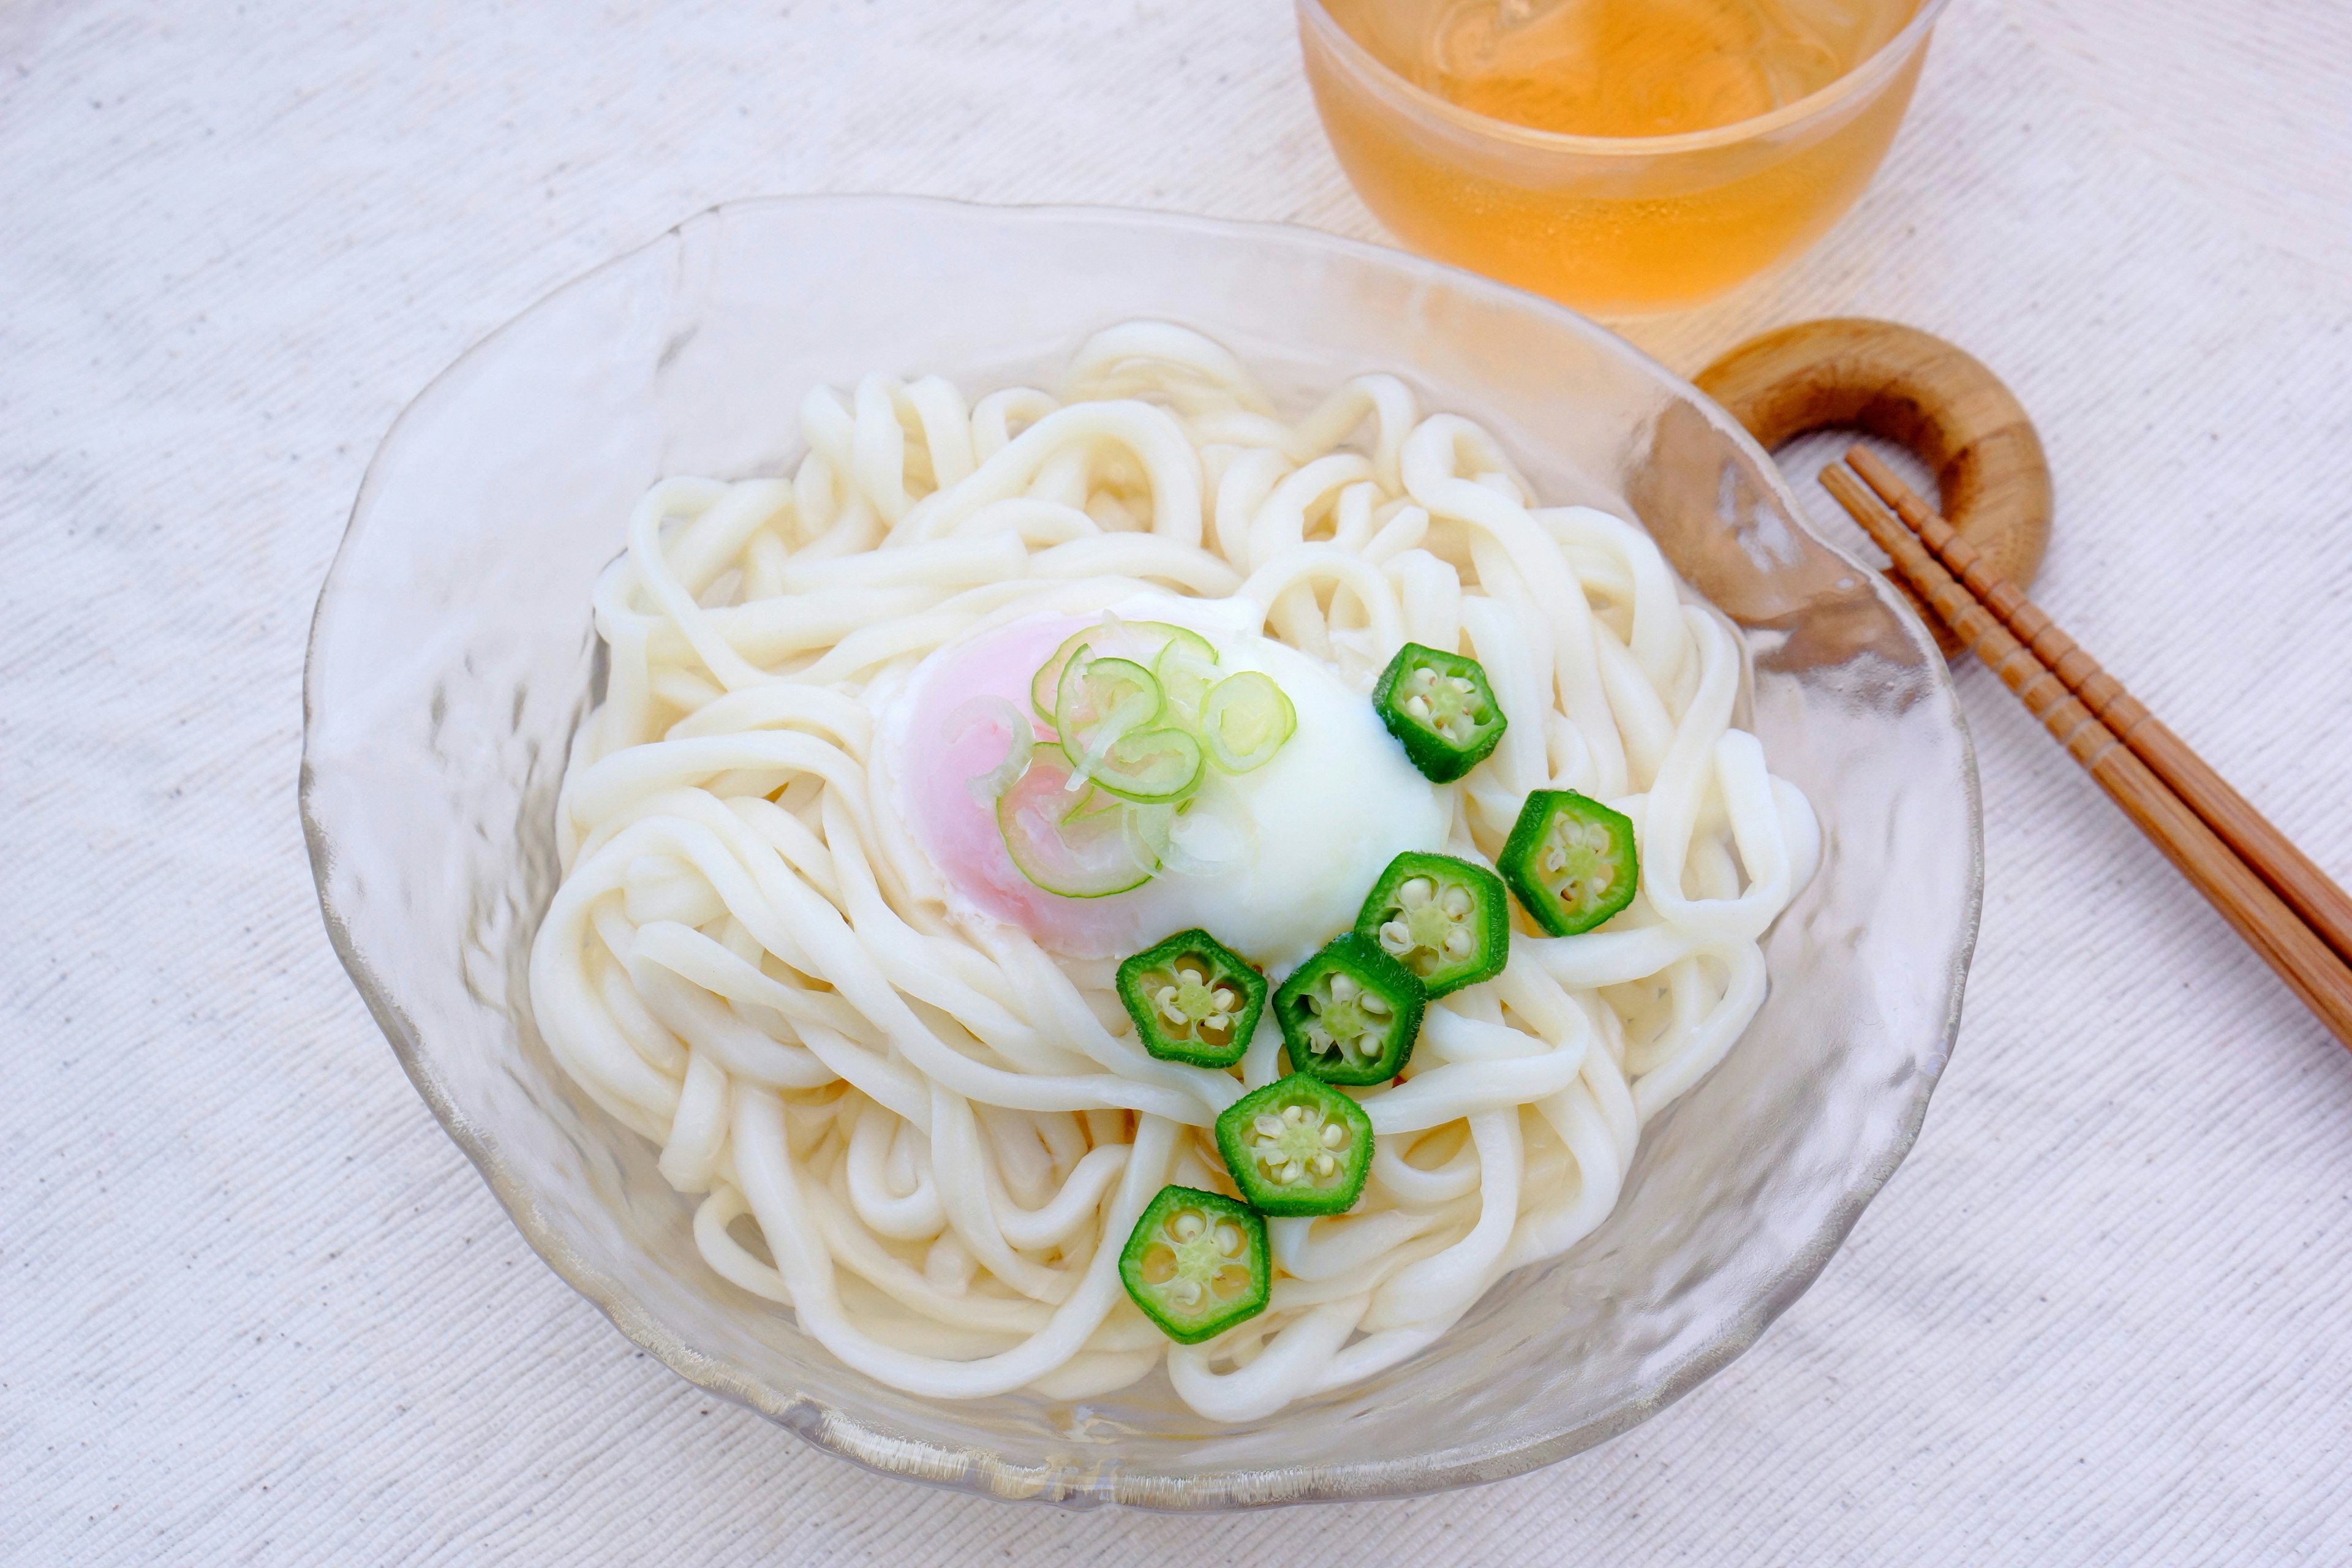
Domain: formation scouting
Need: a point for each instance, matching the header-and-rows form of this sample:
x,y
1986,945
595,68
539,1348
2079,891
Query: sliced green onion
x,y
1019,740
1102,702
1194,843
1045,686
1156,766
1145,823
1244,720
1142,641
1084,848
1186,676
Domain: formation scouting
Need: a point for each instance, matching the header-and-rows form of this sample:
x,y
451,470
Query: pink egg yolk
x,y
945,749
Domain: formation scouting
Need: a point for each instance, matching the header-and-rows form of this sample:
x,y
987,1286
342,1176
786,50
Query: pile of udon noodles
x,y
943,1134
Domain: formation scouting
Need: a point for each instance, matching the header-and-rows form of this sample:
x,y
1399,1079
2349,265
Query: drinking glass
x,y
1618,226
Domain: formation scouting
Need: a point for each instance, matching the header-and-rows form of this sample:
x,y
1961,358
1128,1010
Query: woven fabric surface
x,y
254,1307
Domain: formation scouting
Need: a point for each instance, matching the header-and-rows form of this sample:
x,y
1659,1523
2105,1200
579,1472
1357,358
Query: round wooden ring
x,y
1916,390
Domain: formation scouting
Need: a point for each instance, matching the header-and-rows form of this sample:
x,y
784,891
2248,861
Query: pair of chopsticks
x,y
2270,892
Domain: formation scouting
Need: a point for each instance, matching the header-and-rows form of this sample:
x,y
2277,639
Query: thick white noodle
x,y
929,1141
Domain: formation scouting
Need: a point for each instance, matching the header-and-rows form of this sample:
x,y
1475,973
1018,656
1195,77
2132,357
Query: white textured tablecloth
x,y
254,1307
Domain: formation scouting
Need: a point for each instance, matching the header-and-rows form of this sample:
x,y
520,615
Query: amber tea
x,y
1614,225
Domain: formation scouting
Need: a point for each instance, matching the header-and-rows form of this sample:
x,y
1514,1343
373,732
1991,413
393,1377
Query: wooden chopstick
x,y
2324,906
2310,967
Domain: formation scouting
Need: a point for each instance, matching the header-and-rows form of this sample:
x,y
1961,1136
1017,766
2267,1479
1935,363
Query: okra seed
x,y
1229,1240
1458,945
1267,1126
1187,1225
1417,891
1456,902
1325,1164
1334,1135
1344,989
1186,1291
1294,1114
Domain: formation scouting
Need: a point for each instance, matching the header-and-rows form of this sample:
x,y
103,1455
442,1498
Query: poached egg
x,y
1278,858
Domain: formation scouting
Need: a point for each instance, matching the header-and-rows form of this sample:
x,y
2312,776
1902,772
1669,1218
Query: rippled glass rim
x,y
981,1473
1863,78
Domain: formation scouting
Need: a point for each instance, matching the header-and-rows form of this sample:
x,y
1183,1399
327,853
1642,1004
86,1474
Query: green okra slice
x,y
1350,1014
1571,861
1197,1263
1296,1148
1193,1000
1440,709
1448,920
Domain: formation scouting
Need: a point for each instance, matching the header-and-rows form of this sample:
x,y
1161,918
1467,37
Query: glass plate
x,y
452,656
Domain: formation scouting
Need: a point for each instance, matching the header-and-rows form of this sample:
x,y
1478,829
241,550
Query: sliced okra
x,y
1297,1147
1193,1000
1440,709
1448,920
1197,1263
1571,861
1349,1013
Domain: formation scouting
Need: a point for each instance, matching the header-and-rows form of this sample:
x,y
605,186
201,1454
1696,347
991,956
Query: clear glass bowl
x,y
452,656
1619,226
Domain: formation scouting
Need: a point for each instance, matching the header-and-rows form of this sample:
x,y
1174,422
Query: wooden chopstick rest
x,y
2310,967
2322,905
1919,392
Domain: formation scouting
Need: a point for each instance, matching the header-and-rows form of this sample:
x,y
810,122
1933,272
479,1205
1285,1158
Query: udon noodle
x,y
927,1135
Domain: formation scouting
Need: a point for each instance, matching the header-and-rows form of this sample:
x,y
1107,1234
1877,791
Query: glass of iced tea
x,y
1627,157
